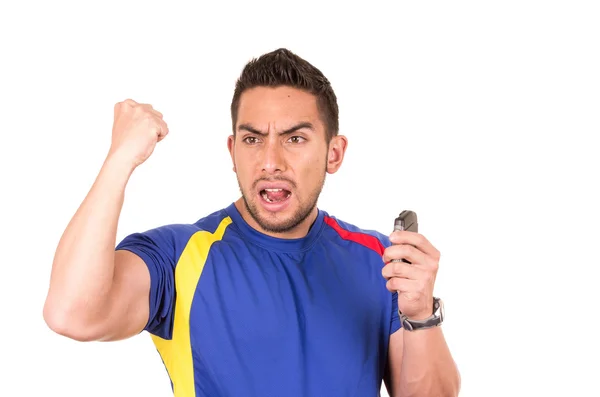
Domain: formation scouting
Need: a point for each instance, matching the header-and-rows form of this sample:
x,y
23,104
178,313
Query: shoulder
x,y
177,235
345,230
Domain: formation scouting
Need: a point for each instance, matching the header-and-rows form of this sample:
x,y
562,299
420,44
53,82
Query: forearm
x,y
83,266
428,368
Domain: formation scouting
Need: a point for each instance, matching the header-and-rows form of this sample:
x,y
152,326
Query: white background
x,y
479,116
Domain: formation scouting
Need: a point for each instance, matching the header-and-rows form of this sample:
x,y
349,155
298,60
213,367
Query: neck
x,y
299,231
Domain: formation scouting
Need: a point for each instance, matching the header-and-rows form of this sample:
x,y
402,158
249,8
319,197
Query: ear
x,y
231,147
336,151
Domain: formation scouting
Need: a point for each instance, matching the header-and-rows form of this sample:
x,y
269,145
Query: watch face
x,y
407,325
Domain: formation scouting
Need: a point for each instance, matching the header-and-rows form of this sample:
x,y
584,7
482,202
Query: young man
x,y
271,295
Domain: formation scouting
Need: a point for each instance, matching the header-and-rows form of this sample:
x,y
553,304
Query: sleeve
x,y
158,249
395,324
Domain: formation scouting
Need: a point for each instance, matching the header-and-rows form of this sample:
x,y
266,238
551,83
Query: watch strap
x,y
435,320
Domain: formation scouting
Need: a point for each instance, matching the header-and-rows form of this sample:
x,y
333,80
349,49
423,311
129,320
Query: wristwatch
x,y
435,320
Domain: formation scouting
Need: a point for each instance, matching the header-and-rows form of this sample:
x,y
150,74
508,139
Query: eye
x,y
250,140
297,139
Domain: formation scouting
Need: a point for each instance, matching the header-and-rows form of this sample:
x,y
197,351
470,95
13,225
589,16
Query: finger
x,y
402,270
164,130
149,107
404,251
415,239
123,107
130,102
157,113
403,285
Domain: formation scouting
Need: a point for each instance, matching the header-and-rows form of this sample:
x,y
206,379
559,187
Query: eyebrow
x,y
299,126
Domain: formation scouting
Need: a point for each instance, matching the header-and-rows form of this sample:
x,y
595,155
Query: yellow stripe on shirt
x,y
176,353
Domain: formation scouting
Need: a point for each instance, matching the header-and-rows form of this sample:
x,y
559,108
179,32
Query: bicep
x,y
129,309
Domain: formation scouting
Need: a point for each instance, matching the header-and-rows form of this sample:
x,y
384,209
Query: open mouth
x,y
275,195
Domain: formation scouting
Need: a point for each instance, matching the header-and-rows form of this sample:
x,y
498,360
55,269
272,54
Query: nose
x,y
273,160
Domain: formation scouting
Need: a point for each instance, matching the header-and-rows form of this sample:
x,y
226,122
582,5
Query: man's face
x,y
281,157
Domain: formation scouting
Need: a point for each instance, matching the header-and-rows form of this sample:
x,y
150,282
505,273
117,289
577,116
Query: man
x,y
269,296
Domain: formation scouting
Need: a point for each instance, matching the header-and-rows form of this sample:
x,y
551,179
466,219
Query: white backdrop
x,y
478,116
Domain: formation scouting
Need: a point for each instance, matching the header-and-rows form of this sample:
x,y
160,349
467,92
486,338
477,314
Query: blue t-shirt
x,y
234,312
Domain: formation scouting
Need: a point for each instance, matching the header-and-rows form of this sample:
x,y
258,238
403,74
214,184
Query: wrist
x,y
422,315
117,169
433,318
117,163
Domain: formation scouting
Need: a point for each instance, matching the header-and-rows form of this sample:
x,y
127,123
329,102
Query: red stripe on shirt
x,y
367,240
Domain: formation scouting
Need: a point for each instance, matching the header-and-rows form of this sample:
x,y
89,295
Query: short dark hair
x,y
284,68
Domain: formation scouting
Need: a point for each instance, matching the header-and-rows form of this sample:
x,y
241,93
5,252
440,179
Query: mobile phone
x,y
407,220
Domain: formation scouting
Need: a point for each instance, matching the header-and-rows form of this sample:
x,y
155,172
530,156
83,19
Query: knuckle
x,y
385,271
147,119
389,284
385,255
391,252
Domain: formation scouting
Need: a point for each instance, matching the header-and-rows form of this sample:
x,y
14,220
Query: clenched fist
x,y
137,128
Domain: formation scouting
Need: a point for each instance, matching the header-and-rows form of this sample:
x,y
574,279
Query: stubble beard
x,y
284,225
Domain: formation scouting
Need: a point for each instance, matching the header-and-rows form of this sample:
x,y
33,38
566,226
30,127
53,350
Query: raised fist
x,y
137,128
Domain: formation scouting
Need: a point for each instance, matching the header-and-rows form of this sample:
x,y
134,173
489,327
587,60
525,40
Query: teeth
x,y
264,195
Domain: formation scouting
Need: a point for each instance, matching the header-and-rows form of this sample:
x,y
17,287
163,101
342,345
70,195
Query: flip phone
x,y
407,220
